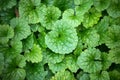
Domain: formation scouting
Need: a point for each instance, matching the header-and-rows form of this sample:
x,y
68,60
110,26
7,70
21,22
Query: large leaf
x,y
63,39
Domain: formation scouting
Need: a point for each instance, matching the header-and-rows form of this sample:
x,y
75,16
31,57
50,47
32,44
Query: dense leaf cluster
x,y
59,39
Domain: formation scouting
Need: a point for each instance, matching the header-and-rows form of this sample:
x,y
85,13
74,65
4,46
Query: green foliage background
x,y
59,39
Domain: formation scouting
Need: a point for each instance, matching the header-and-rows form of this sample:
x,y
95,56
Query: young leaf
x,y
90,60
34,55
90,18
62,39
21,28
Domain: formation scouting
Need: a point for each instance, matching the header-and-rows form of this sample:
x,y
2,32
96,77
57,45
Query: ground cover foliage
x,y
59,39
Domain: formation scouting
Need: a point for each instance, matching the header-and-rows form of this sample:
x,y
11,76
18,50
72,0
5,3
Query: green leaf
x,y
28,42
63,39
7,4
100,6
34,55
113,37
31,10
6,33
71,63
83,76
63,4
91,18
21,28
1,62
50,57
90,38
114,9
105,61
100,76
83,6
57,66
114,75
63,75
114,55
90,60
35,71
16,74
73,18
50,17
102,28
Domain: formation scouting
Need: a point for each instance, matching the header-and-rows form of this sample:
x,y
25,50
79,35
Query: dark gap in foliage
x,y
22,53
114,66
78,71
104,13
103,48
36,34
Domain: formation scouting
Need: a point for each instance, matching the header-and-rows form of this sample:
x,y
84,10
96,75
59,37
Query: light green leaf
x,y
21,28
63,39
100,6
73,18
7,4
91,18
6,33
100,76
34,55
83,76
90,60
63,75
35,71
50,17
31,10
114,9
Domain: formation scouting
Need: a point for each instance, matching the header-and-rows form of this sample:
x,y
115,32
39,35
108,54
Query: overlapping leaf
x,y
21,28
63,39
